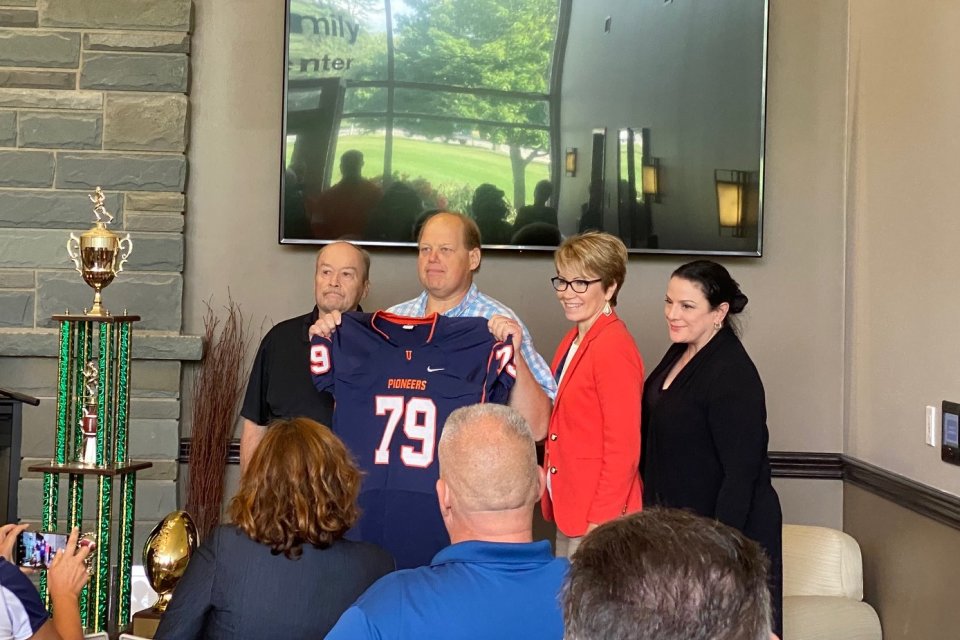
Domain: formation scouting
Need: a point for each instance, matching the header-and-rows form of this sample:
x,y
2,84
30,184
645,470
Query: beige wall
x,y
902,257
809,501
902,303
910,566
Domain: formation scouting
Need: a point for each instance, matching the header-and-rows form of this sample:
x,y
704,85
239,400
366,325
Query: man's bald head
x,y
488,459
342,278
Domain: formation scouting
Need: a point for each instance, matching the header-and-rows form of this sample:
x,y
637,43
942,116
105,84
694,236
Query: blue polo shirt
x,y
471,589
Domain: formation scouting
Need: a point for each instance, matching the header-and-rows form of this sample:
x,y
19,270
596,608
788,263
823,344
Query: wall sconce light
x,y
650,178
570,161
737,200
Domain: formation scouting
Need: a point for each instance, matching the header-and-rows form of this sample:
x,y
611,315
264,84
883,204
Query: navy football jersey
x,y
394,381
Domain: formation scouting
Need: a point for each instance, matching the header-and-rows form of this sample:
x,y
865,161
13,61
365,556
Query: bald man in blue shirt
x,y
493,581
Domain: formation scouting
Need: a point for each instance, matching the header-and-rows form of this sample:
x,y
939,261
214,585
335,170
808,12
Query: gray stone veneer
x,y
94,92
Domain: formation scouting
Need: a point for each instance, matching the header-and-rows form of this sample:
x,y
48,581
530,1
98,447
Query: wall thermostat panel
x,y
950,433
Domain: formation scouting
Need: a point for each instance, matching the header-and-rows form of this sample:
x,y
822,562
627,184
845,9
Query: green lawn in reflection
x,y
452,169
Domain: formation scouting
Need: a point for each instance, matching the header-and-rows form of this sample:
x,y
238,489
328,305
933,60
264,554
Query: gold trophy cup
x,y
165,557
98,253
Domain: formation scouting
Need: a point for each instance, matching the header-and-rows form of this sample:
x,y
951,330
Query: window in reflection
x,y
493,108
592,211
637,189
365,99
336,39
396,107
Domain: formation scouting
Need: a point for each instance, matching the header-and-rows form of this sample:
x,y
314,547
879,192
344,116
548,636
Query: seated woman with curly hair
x,y
282,569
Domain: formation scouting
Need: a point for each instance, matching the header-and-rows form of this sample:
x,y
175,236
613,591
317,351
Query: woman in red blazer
x,y
593,441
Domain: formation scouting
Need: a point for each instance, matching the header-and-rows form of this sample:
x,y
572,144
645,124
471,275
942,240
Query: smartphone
x,y
36,549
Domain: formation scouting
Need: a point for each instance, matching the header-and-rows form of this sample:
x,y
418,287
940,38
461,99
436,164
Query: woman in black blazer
x,y
282,570
704,417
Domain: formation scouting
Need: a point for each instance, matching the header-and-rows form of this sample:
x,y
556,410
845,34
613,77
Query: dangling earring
x,y
606,309
717,326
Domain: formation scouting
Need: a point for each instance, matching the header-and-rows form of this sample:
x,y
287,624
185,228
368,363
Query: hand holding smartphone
x,y
36,549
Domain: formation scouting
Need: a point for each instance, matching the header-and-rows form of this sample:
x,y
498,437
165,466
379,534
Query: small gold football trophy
x,y
165,557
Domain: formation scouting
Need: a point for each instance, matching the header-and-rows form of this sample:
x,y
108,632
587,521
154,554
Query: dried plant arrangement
x,y
217,387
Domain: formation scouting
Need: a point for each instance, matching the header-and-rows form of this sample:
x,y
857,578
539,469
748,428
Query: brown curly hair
x,y
300,487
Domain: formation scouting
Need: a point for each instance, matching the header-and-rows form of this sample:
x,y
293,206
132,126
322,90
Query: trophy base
x,y
145,623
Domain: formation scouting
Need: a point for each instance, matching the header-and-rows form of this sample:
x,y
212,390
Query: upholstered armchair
x,y
823,587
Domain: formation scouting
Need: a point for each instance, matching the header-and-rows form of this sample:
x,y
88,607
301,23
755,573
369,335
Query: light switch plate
x,y
931,437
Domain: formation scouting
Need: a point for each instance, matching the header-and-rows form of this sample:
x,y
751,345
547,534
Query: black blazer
x,y
705,440
235,588
705,446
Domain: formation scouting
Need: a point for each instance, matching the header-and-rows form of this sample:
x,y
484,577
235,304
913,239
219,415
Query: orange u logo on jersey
x,y
409,355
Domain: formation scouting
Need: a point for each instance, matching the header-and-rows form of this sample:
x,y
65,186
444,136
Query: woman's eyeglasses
x,y
578,286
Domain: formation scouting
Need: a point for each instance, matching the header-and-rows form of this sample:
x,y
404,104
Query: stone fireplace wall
x,y
95,93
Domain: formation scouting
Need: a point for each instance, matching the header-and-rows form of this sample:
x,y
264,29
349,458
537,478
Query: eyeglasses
x,y
578,286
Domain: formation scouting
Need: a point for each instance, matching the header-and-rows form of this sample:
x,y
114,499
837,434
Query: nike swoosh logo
x,y
432,370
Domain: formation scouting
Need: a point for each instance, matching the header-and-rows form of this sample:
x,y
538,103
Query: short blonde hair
x,y
595,253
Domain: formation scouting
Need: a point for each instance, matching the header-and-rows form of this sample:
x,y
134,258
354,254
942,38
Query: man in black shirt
x,y
280,385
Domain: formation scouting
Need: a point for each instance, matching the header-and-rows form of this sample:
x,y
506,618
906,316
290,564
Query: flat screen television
x,y
540,118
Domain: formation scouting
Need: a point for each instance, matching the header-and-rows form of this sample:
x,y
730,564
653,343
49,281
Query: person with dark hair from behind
x,y
295,222
393,218
537,234
341,211
490,210
591,211
282,569
538,211
665,574
422,220
705,419
493,581
22,613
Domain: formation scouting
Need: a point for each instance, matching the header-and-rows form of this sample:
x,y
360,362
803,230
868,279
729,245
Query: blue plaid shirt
x,y
476,304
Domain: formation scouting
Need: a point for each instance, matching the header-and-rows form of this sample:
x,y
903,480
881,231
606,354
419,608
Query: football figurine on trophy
x,y
99,253
165,557
88,422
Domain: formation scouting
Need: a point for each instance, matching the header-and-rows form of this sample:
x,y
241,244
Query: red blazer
x,y
593,442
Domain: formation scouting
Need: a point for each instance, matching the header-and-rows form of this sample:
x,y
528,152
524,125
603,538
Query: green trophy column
x,y
101,569
128,482
51,481
83,349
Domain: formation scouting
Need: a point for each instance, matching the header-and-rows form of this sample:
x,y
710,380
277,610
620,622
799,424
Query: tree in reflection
x,y
505,45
